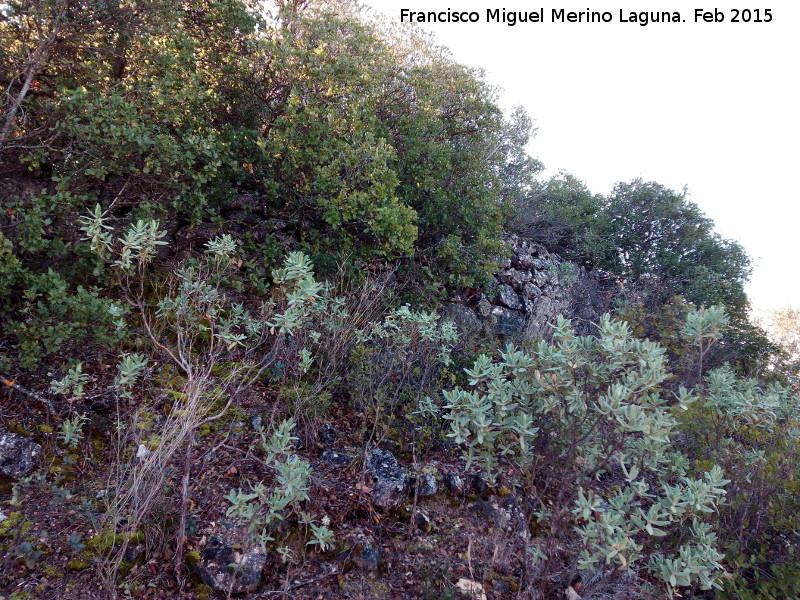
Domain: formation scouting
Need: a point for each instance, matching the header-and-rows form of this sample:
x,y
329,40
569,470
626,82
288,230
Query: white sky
x,y
714,106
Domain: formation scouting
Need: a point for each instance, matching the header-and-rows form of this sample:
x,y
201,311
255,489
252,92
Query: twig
x,y
187,470
416,487
15,386
298,585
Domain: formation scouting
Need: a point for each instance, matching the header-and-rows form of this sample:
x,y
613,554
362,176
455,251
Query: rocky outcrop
x,y
19,456
529,291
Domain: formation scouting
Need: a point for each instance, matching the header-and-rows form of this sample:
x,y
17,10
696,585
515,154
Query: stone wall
x,y
530,290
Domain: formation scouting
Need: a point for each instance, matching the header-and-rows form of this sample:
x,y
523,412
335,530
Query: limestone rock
x,y
471,589
230,569
509,322
509,298
391,482
19,456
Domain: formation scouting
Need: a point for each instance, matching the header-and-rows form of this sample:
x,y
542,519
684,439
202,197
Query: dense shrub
x,y
585,423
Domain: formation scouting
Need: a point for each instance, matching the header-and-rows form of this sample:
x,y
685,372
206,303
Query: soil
x,y
54,517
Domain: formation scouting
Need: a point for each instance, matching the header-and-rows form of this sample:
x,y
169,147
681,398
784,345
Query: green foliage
x,y
130,368
564,215
71,385
659,233
565,413
265,507
658,244
753,432
400,361
72,430
50,315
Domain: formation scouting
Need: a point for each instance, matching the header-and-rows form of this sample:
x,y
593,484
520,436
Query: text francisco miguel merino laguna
x,y
560,15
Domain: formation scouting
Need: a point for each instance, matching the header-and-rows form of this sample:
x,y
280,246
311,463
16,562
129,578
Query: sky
x,y
713,106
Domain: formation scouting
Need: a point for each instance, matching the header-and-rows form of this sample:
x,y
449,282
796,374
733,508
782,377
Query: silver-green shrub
x,y
584,421
265,506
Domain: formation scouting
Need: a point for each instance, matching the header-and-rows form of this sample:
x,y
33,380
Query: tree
x,y
566,217
660,235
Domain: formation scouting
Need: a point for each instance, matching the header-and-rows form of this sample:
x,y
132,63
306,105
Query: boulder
x,y
508,322
230,569
19,456
508,297
454,483
391,483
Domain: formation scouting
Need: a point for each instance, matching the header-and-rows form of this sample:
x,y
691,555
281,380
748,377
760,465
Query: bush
x,y
266,507
585,422
753,432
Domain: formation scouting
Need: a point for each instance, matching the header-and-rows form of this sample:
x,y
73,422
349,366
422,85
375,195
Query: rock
x,y
19,456
509,322
244,217
383,465
142,452
471,589
194,237
388,494
3,516
248,201
454,483
503,512
571,594
477,482
328,435
522,259
527,304
391,482
427,485
364,552
502,587
463,317
135,553
532,290
484,307
335,459
228,569
508,297
256,422
518,278
367,555
422,521
388,445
